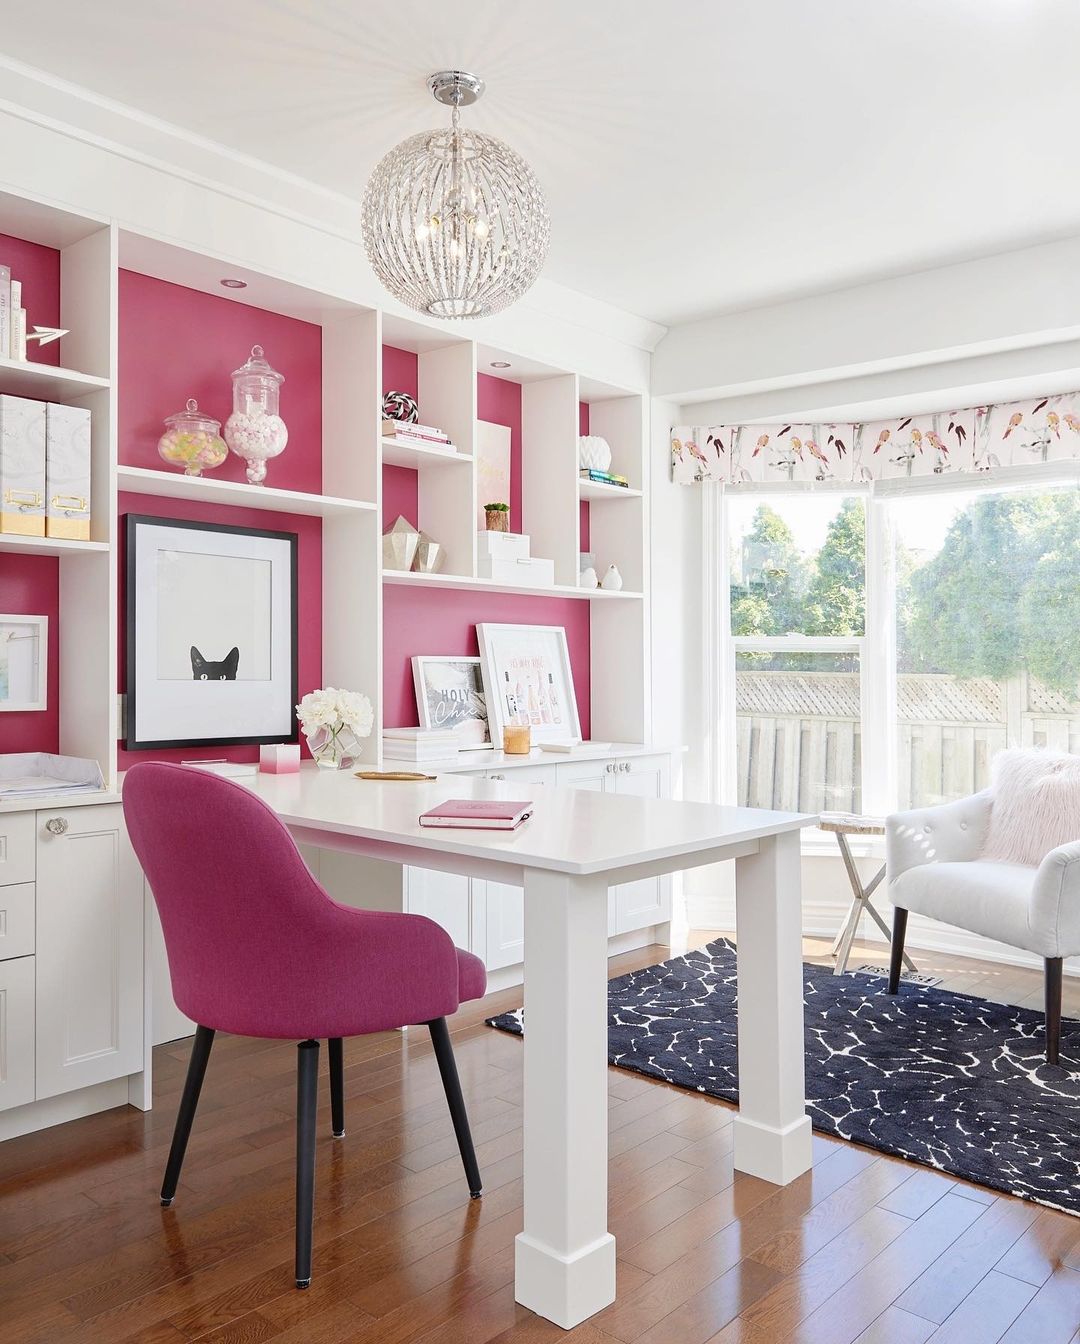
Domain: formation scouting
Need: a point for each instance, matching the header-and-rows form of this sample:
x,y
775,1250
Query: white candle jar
x,y
255,431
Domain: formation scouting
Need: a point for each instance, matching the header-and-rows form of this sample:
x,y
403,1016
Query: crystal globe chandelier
x,y
455,223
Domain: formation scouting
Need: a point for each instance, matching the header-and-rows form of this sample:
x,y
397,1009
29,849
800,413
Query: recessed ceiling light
x,y
500,363
234,284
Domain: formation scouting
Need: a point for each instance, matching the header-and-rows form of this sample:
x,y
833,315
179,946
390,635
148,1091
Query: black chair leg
x,y
200,1057
896,959
1053,1008
307,1102
337,1086
444,1053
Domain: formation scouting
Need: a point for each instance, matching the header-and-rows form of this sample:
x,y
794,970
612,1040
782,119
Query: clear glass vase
x,y
335,748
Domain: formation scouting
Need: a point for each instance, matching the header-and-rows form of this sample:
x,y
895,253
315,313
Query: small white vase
x,y
587,578
594,452
612,580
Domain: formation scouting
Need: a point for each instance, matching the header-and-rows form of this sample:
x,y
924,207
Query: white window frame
x,y
876,647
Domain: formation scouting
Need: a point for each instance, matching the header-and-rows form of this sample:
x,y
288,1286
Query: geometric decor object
x,y
399,544
454,222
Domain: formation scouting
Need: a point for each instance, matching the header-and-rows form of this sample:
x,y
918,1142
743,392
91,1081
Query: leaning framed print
x,y
211,633
24,659
528,679
450,694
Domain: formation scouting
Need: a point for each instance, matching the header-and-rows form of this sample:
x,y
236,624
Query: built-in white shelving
x,y
13,542
212,490
46,382
354,453
398,454
602,490
415,580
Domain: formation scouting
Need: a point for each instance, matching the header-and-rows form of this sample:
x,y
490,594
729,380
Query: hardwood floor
x,y
862,1250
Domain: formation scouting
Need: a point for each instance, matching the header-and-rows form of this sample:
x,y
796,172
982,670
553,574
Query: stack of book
x,y
12,317
426,436
604,477
419,745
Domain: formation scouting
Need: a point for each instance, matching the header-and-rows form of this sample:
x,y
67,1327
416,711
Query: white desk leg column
x,y
565,1257
772,1129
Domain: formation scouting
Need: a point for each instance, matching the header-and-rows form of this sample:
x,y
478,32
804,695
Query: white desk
x,y
566,856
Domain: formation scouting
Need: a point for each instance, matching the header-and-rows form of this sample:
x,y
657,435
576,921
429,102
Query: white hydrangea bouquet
x,y
333,723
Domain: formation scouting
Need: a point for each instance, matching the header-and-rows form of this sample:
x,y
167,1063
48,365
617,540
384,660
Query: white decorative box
x,y
22,466
67,472
533,572
502,545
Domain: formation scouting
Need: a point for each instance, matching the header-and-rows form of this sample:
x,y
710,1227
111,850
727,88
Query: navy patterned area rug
x,y
953,1082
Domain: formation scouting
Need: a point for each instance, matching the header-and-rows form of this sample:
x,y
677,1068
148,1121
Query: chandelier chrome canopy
x,y
455,223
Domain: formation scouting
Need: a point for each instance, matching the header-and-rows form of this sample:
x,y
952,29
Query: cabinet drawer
x,y
524,774
16,1032
16,921
16,848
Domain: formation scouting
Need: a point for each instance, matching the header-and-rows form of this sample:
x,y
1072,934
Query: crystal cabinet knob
x,y
56,825
498,776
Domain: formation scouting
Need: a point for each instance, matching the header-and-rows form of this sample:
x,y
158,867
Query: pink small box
x,y
279,758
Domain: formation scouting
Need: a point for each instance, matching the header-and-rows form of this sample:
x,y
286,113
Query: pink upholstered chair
x,y
256,947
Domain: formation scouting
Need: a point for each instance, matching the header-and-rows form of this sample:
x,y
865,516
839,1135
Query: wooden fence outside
x,y
798,735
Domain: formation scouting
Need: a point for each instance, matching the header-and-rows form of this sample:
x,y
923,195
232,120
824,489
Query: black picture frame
x,y
132,742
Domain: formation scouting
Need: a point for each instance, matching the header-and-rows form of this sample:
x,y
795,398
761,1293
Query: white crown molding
x,y
42,99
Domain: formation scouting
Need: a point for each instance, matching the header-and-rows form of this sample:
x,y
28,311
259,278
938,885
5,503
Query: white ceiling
x,y
698,156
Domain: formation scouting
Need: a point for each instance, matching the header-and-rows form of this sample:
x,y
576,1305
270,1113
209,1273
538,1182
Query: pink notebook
x,y
479,814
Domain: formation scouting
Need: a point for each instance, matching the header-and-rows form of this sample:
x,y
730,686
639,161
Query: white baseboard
x,y
37,1115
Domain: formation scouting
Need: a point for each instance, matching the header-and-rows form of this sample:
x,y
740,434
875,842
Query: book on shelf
x,y
17,322
18,333
401,429
420,734
603,477
479,814
569,747
5,312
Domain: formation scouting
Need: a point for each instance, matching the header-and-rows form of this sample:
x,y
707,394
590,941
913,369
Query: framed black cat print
x,y
211,634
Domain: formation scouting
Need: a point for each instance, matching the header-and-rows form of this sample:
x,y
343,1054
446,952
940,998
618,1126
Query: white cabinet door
x,y
16,1032
641,904
504,905
89,949
443,897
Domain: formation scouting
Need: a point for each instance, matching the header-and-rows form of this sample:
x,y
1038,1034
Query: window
x,y
987,634
797,602
880,654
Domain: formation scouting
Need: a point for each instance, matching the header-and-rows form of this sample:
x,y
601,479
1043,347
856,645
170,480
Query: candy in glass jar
x,y
255,431
192,441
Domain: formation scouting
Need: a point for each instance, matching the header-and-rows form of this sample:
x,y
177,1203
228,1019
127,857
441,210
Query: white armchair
x,y
934,866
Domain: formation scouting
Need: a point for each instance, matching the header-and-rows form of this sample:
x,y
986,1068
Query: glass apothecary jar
x,y
192,440
255,431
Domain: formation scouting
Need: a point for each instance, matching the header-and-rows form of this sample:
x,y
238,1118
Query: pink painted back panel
x,y
499,401
443,621
400,374
30,586
177,343
38,268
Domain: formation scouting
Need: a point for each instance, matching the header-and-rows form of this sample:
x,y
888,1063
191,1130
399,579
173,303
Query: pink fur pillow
x,y
1036,805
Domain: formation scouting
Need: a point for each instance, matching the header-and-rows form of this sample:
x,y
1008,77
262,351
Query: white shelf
x,y
13,542
207,489
398,454
601,490
412,579
45,382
